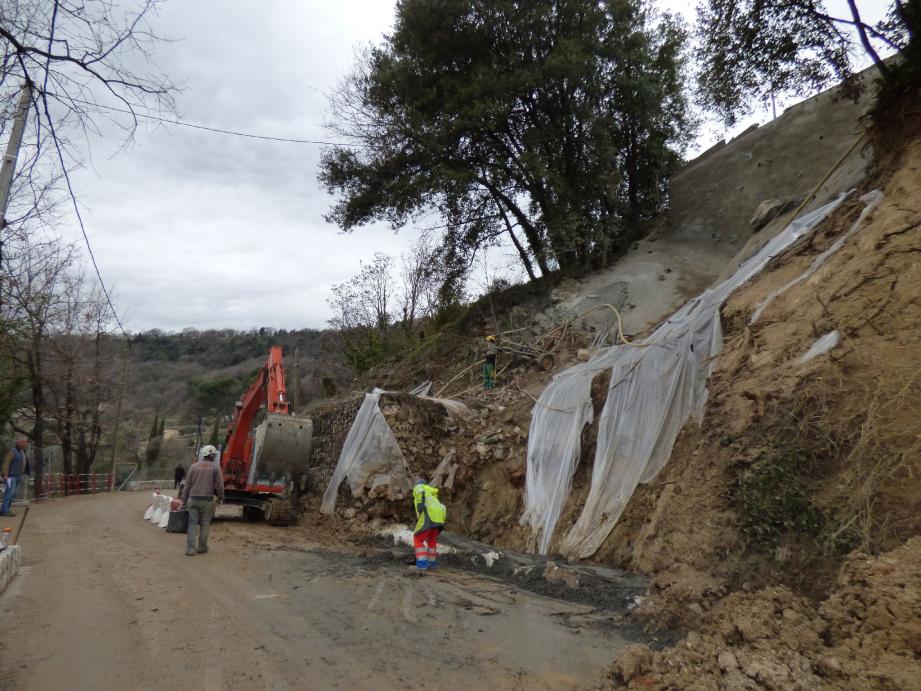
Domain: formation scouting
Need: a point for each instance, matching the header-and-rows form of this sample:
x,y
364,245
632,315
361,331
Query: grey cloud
x,y
199,229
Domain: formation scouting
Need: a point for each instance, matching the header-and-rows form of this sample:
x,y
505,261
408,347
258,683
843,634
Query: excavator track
x,y
281,512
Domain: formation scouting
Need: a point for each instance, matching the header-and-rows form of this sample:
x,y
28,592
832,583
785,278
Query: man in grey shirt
x,y
203,482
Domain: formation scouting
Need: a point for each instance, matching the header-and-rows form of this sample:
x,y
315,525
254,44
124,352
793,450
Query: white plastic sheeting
x,y
655,387
821,346
371,454
871,200
369,449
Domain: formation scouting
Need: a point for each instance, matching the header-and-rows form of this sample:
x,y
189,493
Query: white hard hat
x,y
207,450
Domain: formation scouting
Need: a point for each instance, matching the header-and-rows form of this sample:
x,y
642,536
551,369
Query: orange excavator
x,y
267,449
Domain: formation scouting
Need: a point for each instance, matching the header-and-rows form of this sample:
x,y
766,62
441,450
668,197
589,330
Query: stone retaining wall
x,y
138,485
331,426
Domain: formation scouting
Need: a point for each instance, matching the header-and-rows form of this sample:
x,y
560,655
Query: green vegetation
x,y
753,50
775,502
555,124
215,437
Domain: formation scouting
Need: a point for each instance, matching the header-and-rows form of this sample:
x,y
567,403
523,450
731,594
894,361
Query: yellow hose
x,y
620,325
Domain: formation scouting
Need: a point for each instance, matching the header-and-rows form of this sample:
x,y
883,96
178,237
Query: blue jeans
x,y
9,491
200,512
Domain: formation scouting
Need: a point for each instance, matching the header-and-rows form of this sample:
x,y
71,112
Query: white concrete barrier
x,y
161,505
150,509
9,565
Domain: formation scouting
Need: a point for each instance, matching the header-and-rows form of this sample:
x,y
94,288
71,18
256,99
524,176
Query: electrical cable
x,y
206,128
86,239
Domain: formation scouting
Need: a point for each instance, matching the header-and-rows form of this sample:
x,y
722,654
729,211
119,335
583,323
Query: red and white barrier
x,y
62,485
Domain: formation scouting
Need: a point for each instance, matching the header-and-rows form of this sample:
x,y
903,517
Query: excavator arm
x,y
267,448
267,392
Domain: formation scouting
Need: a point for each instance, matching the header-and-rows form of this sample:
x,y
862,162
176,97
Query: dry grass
x,y
873,457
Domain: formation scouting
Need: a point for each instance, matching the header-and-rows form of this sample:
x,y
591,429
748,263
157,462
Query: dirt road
x,y
106,600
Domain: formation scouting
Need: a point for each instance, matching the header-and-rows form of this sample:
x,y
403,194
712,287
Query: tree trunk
x,y
632,165
38,405
525,259
95,425
68,427
530,232
83,457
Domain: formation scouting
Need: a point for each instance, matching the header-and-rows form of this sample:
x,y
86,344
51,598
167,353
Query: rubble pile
x,y
867,634
471,450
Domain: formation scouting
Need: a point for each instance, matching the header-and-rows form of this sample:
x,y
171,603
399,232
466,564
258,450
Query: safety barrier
x,y
65,484
159,510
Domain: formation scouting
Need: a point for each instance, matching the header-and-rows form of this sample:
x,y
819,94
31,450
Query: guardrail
x,y
65,484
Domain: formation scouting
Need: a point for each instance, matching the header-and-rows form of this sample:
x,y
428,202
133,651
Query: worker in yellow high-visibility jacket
x,y
430,519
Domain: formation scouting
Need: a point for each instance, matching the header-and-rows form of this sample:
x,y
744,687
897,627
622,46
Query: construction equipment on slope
x,y
267,449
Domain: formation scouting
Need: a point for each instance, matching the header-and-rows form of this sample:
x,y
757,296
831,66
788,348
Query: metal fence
x,y
64,484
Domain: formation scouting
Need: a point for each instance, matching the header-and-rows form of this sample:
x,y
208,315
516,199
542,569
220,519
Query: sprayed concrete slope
x,y
707,233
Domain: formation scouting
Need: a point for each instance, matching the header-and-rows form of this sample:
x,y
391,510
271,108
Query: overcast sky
x,y
205,230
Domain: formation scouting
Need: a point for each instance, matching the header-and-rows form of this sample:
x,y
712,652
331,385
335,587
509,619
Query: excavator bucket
x,y
281,452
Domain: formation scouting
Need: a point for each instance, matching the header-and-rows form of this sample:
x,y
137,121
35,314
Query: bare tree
x,y
81,58
362,311
79,383
421,279
364,301
36,274
83,63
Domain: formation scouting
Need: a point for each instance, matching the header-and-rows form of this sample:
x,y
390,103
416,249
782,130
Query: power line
x,y
157,118
216,130
86,239
89,248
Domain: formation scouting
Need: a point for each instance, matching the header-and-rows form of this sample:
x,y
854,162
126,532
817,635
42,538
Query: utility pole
x,y
9,159
118,410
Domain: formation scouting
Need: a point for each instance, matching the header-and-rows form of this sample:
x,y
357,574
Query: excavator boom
x,y
267,449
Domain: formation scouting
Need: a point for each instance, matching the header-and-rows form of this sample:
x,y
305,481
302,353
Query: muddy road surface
x,y
106,600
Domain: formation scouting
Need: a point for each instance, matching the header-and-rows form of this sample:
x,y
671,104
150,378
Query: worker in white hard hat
x,y
202,484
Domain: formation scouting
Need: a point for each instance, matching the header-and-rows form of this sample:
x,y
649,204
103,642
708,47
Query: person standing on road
x,y
178,475
430,520
204,481
15,465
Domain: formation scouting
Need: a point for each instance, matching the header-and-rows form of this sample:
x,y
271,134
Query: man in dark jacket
x,y
203,483
15,465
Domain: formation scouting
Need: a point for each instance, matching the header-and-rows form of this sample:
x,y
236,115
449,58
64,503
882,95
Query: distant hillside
x,y
164,364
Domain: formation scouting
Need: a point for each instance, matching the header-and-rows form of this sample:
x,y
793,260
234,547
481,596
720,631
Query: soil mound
x,y
865,635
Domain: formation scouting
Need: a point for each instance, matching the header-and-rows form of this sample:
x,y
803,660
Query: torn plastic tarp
x,y
369,449
821,346
371,457
655,387
870,199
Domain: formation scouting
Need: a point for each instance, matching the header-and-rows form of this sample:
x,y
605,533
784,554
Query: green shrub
x,y
775,502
